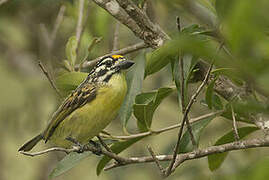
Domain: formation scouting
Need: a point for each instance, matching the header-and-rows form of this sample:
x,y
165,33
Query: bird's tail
x,y
30,144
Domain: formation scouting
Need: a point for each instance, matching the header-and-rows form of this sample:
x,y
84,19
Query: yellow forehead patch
x,y
116,56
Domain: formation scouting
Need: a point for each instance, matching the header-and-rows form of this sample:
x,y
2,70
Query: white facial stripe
x,y
100,68
102,78
107,59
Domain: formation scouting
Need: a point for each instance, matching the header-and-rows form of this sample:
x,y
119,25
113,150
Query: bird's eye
x,y
109,63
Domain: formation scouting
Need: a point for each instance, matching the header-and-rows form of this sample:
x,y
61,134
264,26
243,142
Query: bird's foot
x,y
80,147
97,148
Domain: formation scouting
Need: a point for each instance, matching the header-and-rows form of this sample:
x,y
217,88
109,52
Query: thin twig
x,y
123,51
79,22
104,144
49,78
162,170
196,154
183,100
171,167
181,63
106,147
50,38
57,24
192,100
115,45
132,136
45,35
236,135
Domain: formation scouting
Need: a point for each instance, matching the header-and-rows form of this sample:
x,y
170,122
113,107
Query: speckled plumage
x,y
86,122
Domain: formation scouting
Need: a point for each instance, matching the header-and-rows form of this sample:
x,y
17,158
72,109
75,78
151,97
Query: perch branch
x,y
199,153
77,149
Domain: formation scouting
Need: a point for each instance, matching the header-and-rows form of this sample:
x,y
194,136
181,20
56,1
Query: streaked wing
x,y
75,100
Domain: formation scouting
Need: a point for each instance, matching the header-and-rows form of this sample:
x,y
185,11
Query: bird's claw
x,y
79,147
98,148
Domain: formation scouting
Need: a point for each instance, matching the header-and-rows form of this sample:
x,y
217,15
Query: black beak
x,y
125,64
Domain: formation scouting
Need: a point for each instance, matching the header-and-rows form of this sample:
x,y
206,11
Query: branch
x,y
50,38
156,161
57,24
123,51
181,63
49,78
236,135
106,147
136,20
115,44
80,18
79,27
196,154
185,116
78,149
132,136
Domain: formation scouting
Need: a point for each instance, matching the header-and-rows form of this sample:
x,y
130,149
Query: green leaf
x,y
68,162
197,129
189,63
193,28
216,102
209,94
146,104
177,78
195,44
156,60
215,160
134,79
69,81
70,50
116,148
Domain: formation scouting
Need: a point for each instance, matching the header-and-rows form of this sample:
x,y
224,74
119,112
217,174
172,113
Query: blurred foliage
x,y
27,100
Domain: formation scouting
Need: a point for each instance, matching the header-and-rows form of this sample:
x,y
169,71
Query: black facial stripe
x,y
108,77
106,60
102,72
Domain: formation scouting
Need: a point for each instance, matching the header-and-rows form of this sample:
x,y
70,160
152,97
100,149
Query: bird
x,y
89,108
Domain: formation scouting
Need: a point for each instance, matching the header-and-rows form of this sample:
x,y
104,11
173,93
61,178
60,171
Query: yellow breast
x,y
88,121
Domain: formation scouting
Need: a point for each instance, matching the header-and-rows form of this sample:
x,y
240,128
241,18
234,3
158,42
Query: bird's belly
x,y
89,120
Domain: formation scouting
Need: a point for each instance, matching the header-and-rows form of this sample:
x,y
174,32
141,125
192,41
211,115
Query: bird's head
x,y
108,66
